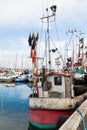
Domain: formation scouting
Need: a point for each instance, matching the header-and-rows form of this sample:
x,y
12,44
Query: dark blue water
x,y
14,107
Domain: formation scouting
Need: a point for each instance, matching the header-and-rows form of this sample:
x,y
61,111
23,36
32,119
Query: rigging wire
x,y
57,35
69,41
45,52
58,52
59,49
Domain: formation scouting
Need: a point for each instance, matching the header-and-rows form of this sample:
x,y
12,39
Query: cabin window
x,y
58,80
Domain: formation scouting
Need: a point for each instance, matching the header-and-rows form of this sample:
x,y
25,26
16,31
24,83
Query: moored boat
x,y
55,100
21,79
80,75
8,76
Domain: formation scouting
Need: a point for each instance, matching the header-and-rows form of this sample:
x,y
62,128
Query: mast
x,y
22,63
72,32
15,65
79,57
46,49
47,18
80,48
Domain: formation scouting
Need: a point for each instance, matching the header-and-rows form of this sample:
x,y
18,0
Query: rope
x,y
83,120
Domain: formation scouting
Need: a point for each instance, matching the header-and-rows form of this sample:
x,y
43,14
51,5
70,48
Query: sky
x,y
19,18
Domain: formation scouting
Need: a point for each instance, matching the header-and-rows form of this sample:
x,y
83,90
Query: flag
x,y
31,53
33,56
33,43
30,40
37,37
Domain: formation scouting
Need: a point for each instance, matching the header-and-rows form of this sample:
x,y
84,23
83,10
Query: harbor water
x,y
14,107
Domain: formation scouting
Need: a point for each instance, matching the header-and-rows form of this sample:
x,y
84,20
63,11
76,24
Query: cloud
x,y
72,14
25,11
18,18
17,11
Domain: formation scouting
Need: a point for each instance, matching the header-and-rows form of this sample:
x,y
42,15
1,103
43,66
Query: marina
x,y
43,75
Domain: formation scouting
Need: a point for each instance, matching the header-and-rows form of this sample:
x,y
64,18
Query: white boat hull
x,y
55,103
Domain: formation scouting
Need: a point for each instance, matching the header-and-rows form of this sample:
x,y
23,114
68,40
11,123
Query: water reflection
x,y
14,107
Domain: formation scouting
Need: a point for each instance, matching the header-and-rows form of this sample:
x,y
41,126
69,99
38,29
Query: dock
x,y
78,120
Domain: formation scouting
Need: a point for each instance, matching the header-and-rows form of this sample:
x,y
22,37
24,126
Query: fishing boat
x,y
77,63
54,100
81,65
80,75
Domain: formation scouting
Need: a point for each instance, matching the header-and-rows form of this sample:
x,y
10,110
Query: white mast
x,y
47,18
